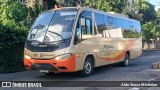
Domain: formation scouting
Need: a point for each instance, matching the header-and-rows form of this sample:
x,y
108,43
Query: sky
x,y
156,3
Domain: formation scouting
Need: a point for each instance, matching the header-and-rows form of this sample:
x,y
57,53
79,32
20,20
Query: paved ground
x,y
139,70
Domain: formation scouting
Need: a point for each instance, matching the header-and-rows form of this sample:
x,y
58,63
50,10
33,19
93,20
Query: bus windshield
x,y
53,26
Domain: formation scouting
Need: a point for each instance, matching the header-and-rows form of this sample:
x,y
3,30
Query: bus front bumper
x,y
52,65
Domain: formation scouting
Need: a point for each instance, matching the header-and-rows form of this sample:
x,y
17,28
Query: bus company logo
x,y
107,46
35,55
6,84
41,54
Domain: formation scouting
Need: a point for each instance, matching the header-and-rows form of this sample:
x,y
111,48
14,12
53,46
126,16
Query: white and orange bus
x,y
79,39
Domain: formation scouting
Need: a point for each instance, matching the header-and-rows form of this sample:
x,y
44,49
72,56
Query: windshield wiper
x,y
35,42
57,34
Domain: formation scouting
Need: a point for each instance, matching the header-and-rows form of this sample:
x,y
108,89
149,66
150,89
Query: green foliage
x,y
148,12
11,46
117,5
34,11
158,12
106,5
12,35
90,3
149,22
69,3
134,15
12,10
13,32
149,30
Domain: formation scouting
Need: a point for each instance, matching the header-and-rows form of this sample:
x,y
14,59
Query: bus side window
x,y
87,30
131,24
110,20
84,32
131,31
108,23
100,22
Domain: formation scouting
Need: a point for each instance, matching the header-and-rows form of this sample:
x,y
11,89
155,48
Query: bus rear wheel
x,y
125,63
87,67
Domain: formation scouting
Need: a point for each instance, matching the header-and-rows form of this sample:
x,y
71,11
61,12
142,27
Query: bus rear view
x,y
47,44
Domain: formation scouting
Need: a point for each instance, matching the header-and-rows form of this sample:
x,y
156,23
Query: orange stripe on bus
x,y
122,54
69,63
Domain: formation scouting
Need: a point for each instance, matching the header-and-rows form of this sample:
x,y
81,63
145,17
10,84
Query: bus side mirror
x,y
83,22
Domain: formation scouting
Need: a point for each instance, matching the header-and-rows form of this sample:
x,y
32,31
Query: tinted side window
x,y
86,14
121,23
87,30
138,27
110,20
130,34
131,24
100,22
81,31
131,31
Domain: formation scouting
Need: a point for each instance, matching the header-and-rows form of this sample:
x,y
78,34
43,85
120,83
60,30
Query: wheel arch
x,y
92,56
128,52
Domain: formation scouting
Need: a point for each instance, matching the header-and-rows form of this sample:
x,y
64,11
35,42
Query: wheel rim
x,y
87,67
126,61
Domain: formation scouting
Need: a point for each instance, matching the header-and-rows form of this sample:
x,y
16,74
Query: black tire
x,y
88,68
125,63
49,73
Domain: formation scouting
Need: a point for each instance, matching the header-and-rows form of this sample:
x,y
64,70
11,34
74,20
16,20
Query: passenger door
x,y
83,38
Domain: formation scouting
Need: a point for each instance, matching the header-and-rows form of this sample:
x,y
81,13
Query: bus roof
x,y
112,14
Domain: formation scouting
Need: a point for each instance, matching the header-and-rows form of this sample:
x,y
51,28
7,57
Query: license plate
x,y
44,71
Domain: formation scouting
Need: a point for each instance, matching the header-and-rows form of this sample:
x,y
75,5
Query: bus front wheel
x,y
87,67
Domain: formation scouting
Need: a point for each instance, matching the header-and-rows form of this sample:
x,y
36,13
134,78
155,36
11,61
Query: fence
x,y
152,44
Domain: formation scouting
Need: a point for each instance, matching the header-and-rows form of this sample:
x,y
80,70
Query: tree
x,y
12,35
117,5
106,5
158,22
158,12
148,12
132,9
70,3
149,22
149,31
12,10
51,3
34,9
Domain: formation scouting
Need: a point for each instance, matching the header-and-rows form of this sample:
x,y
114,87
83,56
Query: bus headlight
x,y
64,56
27,57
